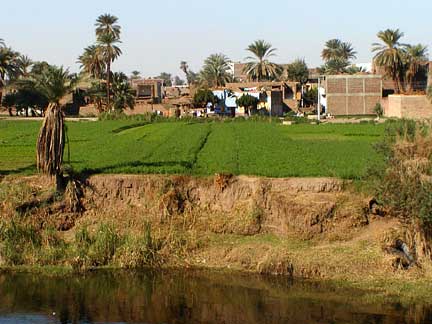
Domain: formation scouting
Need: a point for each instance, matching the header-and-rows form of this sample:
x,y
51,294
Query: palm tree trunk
x,y
108,78
50,144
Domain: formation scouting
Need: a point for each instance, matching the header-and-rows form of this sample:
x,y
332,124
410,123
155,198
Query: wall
x,y
353,94
412,107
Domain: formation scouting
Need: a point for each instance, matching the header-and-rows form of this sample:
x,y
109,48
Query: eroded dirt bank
x,y
312,228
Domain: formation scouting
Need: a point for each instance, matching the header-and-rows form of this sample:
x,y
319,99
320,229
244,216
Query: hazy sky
x,y
158,34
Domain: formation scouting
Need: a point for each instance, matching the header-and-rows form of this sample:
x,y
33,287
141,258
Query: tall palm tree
x,y
107,24
9,68
185,68
55,83
415,55
259,67
216,70
390,55
124,96
92,62
108,36
2,43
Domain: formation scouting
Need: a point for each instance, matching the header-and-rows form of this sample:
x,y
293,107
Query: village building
x,y
149,89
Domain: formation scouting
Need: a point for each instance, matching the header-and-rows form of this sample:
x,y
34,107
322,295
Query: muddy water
x,y
189,297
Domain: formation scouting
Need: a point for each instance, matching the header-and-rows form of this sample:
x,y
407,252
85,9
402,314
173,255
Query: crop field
x,y
247,147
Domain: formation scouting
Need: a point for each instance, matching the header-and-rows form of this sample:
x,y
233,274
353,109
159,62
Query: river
x,y
190,297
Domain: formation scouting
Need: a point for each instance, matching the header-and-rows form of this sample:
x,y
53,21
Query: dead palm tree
x,y
415,55
390,55
259,67
108,36
55,83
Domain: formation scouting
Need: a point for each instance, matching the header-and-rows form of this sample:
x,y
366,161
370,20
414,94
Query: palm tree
x,y
107,24
108,35
135,75
123,94
24,64
415,55
2,43
298,71
55,83
336,49
185,68
259,68
92,62
9,68
390,55
216,70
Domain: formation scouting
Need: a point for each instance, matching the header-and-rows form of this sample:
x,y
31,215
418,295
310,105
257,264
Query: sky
x,y
158,34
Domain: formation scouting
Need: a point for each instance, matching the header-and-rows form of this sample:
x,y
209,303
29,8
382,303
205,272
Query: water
x,y
189,297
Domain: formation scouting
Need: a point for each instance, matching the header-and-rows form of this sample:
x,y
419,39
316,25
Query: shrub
x,y
204,96
378,110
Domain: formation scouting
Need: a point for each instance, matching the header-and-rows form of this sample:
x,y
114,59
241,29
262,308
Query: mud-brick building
x,y
149,89
352,94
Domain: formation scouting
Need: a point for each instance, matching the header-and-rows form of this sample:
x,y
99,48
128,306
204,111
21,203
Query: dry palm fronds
x,y
51,141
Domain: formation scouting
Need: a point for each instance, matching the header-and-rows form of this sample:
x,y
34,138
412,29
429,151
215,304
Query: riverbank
x,y
312,228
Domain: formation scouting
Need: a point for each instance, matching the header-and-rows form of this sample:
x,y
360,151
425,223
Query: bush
x,y
378,110
204,96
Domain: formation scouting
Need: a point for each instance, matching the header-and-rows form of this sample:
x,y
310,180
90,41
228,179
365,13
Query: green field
x,y
248,147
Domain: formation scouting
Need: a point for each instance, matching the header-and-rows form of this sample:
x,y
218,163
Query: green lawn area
x,y
248,147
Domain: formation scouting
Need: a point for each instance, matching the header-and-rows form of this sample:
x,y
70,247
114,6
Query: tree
x,y
215,71
248,102
108,36
204,96
9,69
298,71
185,68
415,55
135,75
24,64
335,66
259,68
337,56
178,81
54,83
336,49
123,94
2,43
390,55
166,77
92,62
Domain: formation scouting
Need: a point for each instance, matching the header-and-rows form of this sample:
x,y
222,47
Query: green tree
x,y
249,102
2,43
166,77
135,75
389,54
415,55
215,71
123,94
298,71
259,67
24,65
337,56
92,62
336,49
204,96
108,36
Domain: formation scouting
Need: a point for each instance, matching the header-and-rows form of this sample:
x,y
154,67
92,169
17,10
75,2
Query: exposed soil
x,y
313,227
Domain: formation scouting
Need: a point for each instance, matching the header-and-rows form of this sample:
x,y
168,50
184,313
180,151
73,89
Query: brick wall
x,y
353,94
412,107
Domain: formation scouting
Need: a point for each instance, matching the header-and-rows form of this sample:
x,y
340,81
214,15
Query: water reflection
x,y
191,297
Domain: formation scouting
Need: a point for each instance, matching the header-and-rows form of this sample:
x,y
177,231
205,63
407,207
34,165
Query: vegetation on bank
x,y
200,148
